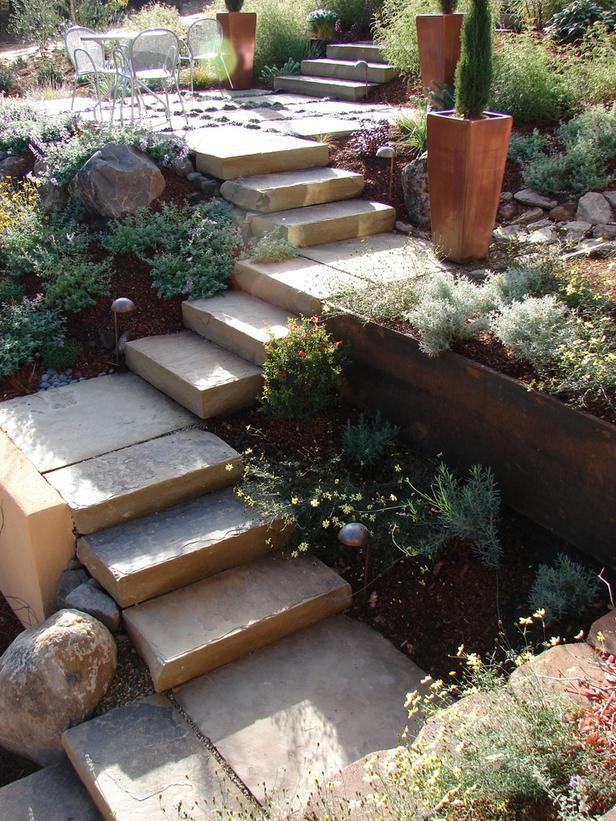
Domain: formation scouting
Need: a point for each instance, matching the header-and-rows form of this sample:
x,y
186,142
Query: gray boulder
x,y
605,231
13,167
51,678
529,197
117,180
68,581
610,196
416,193
594,208
89,599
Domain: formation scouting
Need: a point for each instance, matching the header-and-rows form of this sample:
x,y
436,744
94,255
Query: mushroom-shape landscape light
x,y
361,67
357,535
121,305
388,152
354,535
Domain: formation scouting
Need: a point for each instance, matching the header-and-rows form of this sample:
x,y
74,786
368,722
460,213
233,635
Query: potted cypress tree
x,y
438,38
467,150
239,30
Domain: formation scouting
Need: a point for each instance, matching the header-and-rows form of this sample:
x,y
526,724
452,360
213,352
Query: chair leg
x,y
190,69
74,93
177,88
224,65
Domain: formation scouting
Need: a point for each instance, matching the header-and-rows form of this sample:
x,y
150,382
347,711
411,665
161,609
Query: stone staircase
x,y
338,75
260,663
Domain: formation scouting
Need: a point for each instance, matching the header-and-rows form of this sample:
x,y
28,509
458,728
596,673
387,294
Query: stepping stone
x,y
143,762
200,376
324,86
145,478
210,623
158,553
378,72
380,258
318,224
69,424
51,794
355,51
316,127
297,285
229,152
304,708
237,322
293,189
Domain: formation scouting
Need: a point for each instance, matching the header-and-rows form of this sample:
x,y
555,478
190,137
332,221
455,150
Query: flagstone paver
x,y
51,794
207,624
144,478
85,419
305,707
144,763
155,554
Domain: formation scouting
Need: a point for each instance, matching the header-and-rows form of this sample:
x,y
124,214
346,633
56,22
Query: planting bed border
x,y
554,464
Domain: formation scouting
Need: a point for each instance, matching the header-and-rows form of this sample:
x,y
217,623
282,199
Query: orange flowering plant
x,y
302,370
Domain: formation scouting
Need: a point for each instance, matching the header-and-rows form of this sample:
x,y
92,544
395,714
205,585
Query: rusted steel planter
x,y
438,37
239,30
466,164
554,464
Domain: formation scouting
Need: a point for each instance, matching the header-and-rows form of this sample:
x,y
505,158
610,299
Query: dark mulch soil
x,y
426,608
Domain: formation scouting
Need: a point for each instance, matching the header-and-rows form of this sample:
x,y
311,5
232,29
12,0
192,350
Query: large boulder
x,y
594,208
51,678
13,167
416,193
117,180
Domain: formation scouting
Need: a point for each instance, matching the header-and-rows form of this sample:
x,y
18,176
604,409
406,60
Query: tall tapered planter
x,y
438,37
466,164
239,30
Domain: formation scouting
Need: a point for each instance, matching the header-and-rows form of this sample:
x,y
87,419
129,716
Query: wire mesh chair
x,y
88,61
153,59
205,42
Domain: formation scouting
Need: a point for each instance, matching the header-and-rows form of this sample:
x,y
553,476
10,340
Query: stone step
x,y
198,538
293,189
51,794
143,762
304,708
144,478
231,151
355,51
199,375
318,224
322,87
347,70
297,285
201,627
237,322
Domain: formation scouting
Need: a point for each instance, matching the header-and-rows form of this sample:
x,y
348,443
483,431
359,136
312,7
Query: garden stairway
x,y
338,75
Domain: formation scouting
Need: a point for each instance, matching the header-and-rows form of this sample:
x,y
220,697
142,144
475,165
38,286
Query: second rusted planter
x,y
466,164
438,37
239,30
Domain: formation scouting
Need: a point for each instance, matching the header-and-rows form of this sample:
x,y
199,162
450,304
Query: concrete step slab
x,y
332,222
304,708
237,322
355,51
67,425
51,794
297,285
293,189
323,86
229,152
210,623
143,762
199,375
347,70
318,127
198,538
144,478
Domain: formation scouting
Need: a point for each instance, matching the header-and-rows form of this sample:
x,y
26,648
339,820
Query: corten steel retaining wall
x,y
554,464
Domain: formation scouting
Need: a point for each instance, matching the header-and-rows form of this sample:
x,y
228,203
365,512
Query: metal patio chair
x,y
88,61
205,42
153,59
